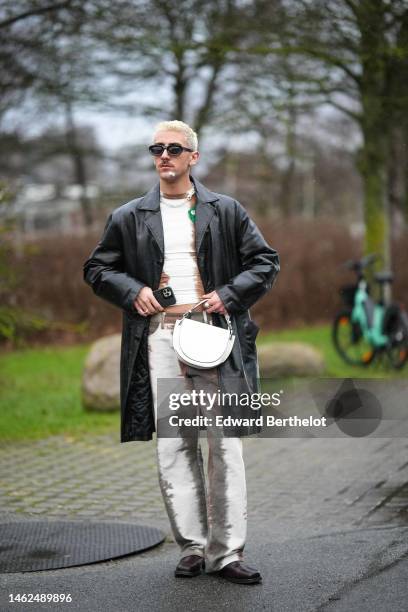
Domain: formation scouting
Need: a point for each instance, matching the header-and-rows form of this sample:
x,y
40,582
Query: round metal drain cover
x,y
30,546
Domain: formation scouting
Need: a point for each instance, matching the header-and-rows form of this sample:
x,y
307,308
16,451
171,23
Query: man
x,y
205,247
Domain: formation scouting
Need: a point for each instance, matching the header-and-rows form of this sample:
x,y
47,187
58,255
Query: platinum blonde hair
x,y
183,128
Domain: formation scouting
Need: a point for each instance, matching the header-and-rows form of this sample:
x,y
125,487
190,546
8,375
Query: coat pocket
x,y
251,331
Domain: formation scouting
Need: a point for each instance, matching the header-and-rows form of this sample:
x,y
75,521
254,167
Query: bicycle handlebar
x,y
357,265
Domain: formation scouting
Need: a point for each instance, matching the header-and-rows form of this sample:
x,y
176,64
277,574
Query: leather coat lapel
x,y
204,212
153,221
151,204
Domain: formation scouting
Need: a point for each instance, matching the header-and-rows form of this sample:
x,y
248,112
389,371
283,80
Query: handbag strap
x,y
189,312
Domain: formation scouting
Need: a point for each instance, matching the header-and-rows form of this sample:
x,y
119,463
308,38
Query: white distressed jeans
x,y
208,516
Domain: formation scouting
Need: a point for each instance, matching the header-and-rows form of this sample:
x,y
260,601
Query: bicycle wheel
x,y
349,341
396,328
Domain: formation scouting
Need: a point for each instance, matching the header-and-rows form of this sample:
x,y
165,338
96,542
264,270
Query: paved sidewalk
x,y
327,524
325,482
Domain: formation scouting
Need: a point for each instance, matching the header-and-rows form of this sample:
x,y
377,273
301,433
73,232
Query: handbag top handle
x,y
189,312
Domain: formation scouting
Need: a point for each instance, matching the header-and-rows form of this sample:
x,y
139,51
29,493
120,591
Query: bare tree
x,y
185,49
46,59
354,48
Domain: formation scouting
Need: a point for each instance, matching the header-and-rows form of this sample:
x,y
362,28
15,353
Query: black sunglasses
x,y
173,149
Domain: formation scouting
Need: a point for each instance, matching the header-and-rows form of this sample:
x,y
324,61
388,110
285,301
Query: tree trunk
x,y
76,153
401,94
287,191
376,213
180,94
375,127
404,207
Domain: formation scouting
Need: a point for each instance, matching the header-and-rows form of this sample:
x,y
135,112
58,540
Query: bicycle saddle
x,y
384,277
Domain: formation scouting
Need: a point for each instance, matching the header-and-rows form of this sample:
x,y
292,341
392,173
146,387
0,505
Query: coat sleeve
x,y
103,270
259,264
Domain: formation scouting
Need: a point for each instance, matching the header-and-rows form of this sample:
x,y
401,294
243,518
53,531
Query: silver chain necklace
x,y
188,196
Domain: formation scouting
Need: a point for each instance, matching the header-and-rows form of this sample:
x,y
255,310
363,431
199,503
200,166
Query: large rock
x,y
281,359
101,375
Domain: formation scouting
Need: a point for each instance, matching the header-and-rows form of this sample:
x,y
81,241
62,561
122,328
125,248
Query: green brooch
x,y
192,213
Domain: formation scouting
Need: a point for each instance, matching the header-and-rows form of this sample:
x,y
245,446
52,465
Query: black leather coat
x,y
233,258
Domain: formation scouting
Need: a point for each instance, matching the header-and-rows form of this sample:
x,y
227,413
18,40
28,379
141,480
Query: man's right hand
x,y
146,304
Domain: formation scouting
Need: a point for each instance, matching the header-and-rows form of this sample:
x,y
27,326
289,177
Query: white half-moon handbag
x,y
202,345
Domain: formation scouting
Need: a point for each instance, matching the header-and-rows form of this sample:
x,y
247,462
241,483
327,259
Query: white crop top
x,y
180,269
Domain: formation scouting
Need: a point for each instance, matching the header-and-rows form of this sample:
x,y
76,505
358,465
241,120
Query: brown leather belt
x,y
182,308
171,317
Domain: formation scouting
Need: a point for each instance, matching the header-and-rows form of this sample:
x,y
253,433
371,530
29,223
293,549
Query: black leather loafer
x,y
189,566
238,572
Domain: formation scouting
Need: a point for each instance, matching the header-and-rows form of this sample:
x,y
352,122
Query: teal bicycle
x,y
366,329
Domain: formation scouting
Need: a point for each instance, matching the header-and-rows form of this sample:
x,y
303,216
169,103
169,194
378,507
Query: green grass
x,y
320,337
41,388
41,395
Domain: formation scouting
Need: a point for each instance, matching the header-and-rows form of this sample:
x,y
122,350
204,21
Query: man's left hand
x,y
214,303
